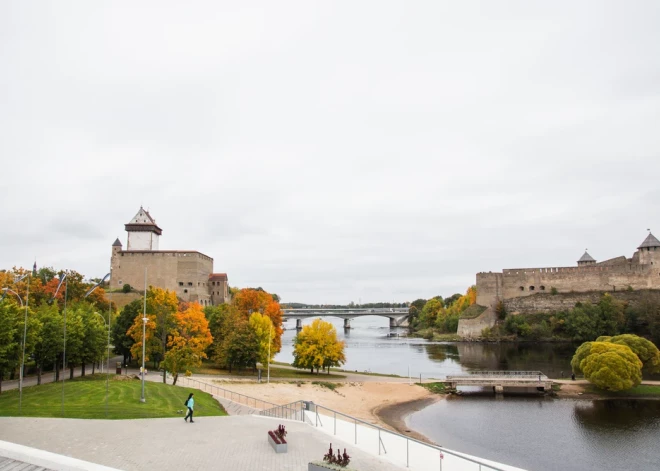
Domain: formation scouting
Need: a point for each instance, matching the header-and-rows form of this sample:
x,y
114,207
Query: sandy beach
x,y
381,403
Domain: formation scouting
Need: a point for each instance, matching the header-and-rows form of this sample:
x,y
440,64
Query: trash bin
x,y
118,370
309,406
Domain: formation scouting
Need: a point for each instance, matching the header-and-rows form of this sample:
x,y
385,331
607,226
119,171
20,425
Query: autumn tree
x,y
264,332
645,350
317,346
611,366
189,338
161,306
251,300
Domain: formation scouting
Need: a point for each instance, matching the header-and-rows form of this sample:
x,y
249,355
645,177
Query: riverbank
x,y
385,404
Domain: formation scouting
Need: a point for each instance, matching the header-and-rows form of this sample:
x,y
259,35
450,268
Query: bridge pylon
x,y
347,323
298,324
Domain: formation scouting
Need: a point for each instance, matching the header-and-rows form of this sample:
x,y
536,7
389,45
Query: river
x,y
535,433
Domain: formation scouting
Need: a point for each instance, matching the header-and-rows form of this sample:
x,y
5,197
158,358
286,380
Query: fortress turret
x,y
649,251
586,259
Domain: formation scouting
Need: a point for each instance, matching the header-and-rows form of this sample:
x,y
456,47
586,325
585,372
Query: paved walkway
x,y
232,443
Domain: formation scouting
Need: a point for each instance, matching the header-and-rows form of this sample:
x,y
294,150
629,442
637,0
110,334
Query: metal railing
x,y
292,411
239,398
368,436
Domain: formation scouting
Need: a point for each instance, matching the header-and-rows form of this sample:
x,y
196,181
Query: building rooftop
x,y
650,241
116,243
218,277
586,257
143,221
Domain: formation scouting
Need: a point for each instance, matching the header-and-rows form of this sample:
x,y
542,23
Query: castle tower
x,y
649,251
143,232
586,260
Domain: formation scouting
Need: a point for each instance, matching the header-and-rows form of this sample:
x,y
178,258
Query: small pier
x,y
499,380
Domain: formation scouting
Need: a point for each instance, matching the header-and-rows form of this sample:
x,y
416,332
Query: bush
x,y
517,325
500,310
553,290
126,288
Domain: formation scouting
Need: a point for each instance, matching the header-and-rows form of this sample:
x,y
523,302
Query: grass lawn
x,y
437,388
84,398
643,390
275,372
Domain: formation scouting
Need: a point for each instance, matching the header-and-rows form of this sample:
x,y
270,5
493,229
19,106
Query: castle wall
x,y
468,328
650,256
185,273
616,277
548,303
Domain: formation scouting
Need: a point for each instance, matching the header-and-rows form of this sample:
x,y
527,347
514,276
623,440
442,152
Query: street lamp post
x,y
21,373
66,292
107,372
144,332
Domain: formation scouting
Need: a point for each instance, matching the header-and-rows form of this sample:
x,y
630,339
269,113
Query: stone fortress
x,y
186,272
528,290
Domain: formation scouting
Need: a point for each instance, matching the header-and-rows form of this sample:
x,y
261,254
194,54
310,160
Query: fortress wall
x,y
185,273
489,288
547,303
472,327
587,278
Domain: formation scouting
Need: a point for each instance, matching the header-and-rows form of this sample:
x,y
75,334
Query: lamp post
x,y
107,372
22,370
66,292
144,331
270,339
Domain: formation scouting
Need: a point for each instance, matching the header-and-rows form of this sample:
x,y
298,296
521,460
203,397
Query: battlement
x,y
165,253
585,269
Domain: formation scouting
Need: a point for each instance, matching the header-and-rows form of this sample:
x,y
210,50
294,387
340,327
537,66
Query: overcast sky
x,y
331,151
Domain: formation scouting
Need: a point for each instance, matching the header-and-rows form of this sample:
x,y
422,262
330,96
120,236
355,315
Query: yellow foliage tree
x,y
612,366
250,300
263,329
316,346
189,338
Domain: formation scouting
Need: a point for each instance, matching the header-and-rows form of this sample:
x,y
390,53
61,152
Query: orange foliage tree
x,y
189,338
250,300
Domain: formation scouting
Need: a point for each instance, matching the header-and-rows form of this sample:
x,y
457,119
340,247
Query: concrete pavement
x,y
232,443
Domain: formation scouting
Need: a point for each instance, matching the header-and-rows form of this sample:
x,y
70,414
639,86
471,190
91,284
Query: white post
x,y
270,337
144,332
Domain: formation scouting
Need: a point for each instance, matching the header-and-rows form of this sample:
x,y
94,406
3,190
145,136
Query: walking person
x,y
190,404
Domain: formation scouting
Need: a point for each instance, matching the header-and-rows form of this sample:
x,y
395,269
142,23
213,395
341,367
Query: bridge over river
x,y
398,316
499,380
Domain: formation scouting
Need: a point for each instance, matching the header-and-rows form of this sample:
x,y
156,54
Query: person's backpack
x,y
186,403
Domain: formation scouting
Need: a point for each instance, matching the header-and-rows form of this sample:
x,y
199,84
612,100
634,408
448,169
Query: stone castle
x,y
186,272
521,289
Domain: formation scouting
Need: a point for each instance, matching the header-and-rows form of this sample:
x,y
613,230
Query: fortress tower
x,y
143,232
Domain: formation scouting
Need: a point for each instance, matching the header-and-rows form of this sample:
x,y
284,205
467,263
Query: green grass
x,y
643,390
437,388
84,398
275,372
473,311
326,384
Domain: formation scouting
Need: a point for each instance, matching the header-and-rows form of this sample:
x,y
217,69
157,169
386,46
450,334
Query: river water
x,y
535,433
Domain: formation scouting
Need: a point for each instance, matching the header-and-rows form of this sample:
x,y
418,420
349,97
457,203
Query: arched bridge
x,y
398,316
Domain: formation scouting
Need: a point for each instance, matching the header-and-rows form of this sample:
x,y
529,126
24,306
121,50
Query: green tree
x,y
430,311
95,340
75,336
49,346
120,339
240,348
612,367
317,346
9,312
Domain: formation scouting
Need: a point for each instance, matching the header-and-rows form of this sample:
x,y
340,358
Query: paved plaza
x,y
227,443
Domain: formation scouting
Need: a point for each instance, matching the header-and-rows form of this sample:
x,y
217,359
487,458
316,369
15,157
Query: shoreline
x,y
394,415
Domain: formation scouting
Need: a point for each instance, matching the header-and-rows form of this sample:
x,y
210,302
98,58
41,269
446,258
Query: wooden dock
x,y
499,380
